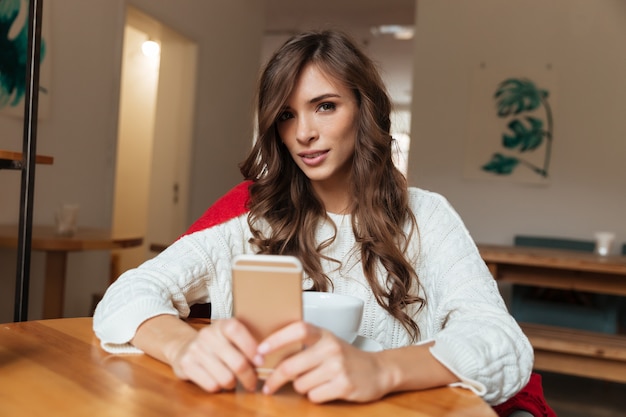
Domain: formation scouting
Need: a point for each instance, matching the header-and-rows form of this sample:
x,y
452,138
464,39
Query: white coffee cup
x,y
604,242
341,314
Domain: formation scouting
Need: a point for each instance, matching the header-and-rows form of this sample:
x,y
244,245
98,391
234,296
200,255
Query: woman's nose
x,y
306,130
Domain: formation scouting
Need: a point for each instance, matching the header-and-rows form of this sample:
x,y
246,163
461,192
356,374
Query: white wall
x,y
85,49
585,43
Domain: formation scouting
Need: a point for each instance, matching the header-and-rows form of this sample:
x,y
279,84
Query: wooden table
x,y
44,238
14,160
56,368
557,349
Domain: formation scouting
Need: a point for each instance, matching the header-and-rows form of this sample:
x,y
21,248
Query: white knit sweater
x,y
465,315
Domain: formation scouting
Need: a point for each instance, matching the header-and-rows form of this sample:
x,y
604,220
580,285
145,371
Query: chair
x,y
529,402
229,206
565,308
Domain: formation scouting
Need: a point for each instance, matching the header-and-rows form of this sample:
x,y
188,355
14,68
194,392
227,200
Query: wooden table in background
x,y
57,368
44,238
14,160
556,268
560,349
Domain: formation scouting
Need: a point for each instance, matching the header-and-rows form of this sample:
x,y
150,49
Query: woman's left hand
x,y
327,369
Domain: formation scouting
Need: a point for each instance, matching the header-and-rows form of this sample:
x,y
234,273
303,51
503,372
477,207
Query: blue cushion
x,y
565,308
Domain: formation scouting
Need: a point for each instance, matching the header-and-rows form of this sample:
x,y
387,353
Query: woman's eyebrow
x,y
314,100
324,97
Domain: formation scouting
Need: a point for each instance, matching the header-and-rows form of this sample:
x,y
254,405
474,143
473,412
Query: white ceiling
x,y
394,57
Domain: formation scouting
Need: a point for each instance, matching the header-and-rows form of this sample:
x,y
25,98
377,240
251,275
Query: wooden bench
x,y
561,349
578,352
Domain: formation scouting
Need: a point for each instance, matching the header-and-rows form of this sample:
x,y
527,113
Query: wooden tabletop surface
x,y
553,258
86,238
17,156
56,368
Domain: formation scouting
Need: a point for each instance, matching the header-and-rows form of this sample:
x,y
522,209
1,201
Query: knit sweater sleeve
x,y
475,336
195,269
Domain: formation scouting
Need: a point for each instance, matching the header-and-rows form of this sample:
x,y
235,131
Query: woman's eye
x,y
284,116
326,106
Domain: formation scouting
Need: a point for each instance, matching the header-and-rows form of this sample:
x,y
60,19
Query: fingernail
x,y
263,348
266,389
258,360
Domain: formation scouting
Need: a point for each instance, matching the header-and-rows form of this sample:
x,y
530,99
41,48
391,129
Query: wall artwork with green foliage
x,y
14,56
526,133
511,124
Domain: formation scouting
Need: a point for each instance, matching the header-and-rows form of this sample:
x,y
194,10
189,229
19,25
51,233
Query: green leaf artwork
x,y
14,51
515,97
524,138
501,164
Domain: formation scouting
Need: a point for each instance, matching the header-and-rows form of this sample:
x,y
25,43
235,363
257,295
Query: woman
x,y
321,185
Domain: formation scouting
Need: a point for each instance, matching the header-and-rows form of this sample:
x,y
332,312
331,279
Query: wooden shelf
x,y
13,160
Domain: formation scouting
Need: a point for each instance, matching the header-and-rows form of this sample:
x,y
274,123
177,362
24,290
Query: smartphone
x,y
267,296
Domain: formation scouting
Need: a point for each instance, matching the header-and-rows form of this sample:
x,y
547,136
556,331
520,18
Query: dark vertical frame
x,y
31,102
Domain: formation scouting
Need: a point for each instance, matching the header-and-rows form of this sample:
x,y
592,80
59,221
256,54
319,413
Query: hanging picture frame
x,y
511,124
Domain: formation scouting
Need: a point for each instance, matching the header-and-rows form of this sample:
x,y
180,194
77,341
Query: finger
x,y
200,364
335,379
322,374
334,389
226,353
352,376
238,334
237,366
211,376
309,364
213,361
344,388
297,332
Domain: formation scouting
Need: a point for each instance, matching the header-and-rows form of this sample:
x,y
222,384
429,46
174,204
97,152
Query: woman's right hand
x,y
217,356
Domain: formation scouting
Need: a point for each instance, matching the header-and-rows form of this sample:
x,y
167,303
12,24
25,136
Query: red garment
x,y
529,399
232,204
235,203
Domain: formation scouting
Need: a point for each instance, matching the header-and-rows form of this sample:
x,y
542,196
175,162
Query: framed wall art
x,y
511,124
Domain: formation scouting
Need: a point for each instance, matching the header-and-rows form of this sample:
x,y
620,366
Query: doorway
x,y
157,95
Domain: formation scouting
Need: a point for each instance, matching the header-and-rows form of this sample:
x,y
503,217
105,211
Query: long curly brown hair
x,y
282,195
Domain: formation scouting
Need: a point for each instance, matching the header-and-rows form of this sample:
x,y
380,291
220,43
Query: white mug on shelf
x,y
604,242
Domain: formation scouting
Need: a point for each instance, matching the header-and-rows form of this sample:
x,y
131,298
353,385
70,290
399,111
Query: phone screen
x,y
267,295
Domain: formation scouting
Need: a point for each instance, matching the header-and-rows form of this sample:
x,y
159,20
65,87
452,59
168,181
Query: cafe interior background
x,y
129,136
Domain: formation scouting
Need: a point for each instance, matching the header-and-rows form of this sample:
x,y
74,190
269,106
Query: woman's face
x,y
318,127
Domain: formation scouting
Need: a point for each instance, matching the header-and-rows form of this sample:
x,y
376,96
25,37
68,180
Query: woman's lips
x,y
313,158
